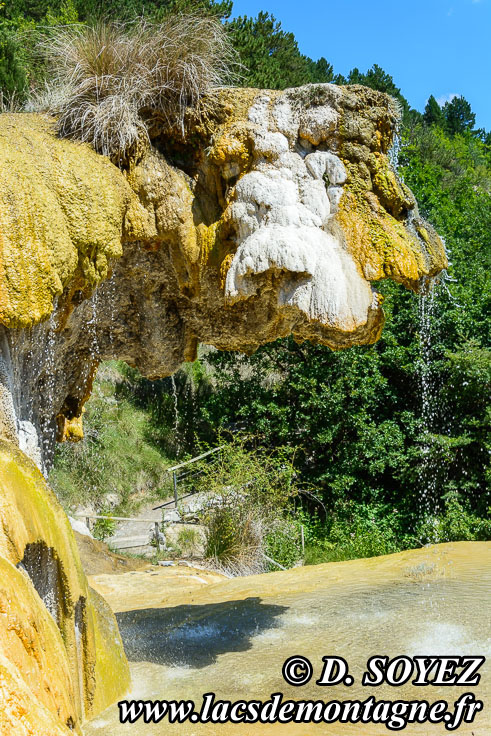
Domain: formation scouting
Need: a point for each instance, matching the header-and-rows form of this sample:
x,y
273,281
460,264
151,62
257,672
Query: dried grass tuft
x,y
108,79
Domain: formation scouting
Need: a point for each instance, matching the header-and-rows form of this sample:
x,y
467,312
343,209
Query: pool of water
x,y
232,637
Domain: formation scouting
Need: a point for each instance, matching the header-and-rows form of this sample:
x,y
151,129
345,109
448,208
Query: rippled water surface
x,y
232,637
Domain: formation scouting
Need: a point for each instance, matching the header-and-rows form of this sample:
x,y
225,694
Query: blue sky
x,y
439,47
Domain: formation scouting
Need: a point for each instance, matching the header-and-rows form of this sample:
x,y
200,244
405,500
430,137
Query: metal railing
x,y
158,525
176,478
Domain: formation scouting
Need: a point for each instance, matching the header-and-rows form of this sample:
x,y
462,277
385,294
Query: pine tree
x,y
271,55
433,114
376,78
322,71
458,116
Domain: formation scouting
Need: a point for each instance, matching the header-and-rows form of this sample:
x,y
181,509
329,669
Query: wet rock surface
x,y
275,215
232,637
58,638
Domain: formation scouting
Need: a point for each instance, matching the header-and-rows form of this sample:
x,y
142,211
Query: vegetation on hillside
x,y
391,441
119,463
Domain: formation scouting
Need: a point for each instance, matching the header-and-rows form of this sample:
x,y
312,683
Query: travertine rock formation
x,y
276,214
61,658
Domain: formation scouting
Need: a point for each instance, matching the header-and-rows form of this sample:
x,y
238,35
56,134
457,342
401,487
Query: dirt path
x,y
135,535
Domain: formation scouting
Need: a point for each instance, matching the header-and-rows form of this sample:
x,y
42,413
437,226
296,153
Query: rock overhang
x,y
277,216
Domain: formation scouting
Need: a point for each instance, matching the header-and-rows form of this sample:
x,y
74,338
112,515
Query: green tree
x,y
271,56
13,72
376,78
433,114
128,9
28,9
458,116
321,71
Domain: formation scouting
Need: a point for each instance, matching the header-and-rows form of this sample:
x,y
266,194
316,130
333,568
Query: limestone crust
x,y
275,214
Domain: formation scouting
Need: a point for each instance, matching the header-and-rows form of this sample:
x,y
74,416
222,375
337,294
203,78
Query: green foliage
x,y
248,492
189,542
455,524
13,72
282,543
376,78
118,455
271,56
433,114
29,9
104,528
21,68
352,531
152,9
458,116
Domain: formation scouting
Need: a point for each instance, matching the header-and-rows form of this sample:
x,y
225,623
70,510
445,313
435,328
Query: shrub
x,y
104,528
110,78
352,531
13,75
189,541
282,543
454,525
245,517
233,531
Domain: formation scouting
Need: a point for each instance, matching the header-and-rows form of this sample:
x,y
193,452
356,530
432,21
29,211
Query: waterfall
x,y
427,477
49,371
92,327
393,153
176,415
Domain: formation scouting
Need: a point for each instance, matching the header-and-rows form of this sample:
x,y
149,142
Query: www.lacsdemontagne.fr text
x,y
394,715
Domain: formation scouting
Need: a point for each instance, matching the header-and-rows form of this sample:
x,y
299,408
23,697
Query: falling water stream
x,y
92,327
428,496
48,369
176,416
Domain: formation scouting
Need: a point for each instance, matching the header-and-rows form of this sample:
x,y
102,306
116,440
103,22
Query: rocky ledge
x,y
275,214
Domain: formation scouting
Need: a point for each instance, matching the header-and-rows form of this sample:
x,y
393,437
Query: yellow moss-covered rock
x,y
64,212
379,243
31,642
57,633
383,232
70,430
21,713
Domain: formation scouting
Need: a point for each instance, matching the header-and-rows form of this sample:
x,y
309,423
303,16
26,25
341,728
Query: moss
x,y
31,515
393,194
111,674
32,643
376,206
379,243
63,213
22,713
69,430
